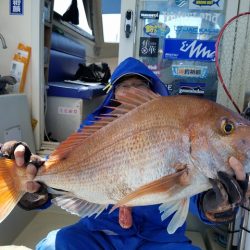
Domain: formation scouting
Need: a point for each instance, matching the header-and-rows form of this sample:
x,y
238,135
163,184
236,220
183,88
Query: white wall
x,y
126,47
27,29
15,29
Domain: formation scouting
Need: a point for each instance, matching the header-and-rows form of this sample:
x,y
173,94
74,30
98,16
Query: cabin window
x,y
61,7
111,19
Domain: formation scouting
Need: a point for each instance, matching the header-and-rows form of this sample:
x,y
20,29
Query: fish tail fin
x,y
10,192
217,3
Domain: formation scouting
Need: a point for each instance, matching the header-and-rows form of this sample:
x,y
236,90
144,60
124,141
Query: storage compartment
x,y
68,105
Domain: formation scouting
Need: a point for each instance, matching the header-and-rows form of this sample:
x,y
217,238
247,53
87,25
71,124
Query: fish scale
x,y
112,163
105,155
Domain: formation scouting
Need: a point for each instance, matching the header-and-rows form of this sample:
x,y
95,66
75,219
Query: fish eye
x,y
227,127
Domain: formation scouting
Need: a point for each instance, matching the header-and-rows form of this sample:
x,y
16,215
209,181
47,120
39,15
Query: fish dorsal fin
x,y
165,184
78,206
131,99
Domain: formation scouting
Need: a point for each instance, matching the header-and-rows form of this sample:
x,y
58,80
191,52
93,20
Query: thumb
x,y
238,168
19,155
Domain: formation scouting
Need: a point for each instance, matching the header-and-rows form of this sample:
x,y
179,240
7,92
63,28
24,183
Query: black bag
x,y
93,73
4,81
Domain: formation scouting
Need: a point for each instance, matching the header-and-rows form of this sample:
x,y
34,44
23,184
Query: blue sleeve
x,y
196,210
88,121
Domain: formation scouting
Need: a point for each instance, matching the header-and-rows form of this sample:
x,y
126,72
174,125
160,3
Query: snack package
x,y
19,66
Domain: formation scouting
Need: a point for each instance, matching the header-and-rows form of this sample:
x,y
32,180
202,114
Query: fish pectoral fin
x,y
180,207
165,184
77,206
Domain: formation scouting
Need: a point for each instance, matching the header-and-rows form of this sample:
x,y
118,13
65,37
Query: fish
x,y
148,150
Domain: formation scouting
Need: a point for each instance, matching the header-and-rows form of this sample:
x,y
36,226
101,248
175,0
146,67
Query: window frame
x,y
74,28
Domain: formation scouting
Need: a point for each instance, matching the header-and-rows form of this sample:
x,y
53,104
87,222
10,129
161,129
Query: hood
x,y
132,66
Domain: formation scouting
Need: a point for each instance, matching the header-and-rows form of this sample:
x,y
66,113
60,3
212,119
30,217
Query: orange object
x,y
20,65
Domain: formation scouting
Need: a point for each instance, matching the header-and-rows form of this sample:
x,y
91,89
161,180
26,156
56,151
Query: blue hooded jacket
x,y
104,232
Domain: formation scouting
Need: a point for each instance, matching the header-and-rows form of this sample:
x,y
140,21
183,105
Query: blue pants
x,y
68,239
104,232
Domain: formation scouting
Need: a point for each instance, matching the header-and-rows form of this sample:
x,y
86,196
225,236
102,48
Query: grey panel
x,y
15,124
15,119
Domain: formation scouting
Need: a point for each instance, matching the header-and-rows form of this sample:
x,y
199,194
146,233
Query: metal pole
x,y
244,226
230,235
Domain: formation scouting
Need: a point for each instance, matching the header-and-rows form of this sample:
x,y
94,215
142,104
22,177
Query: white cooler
x,y
65,114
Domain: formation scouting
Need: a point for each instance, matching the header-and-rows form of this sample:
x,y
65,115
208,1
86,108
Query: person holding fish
x,y
139,227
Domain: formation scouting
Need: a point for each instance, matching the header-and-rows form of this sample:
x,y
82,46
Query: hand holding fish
x,y
31,169
228,193
36,194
